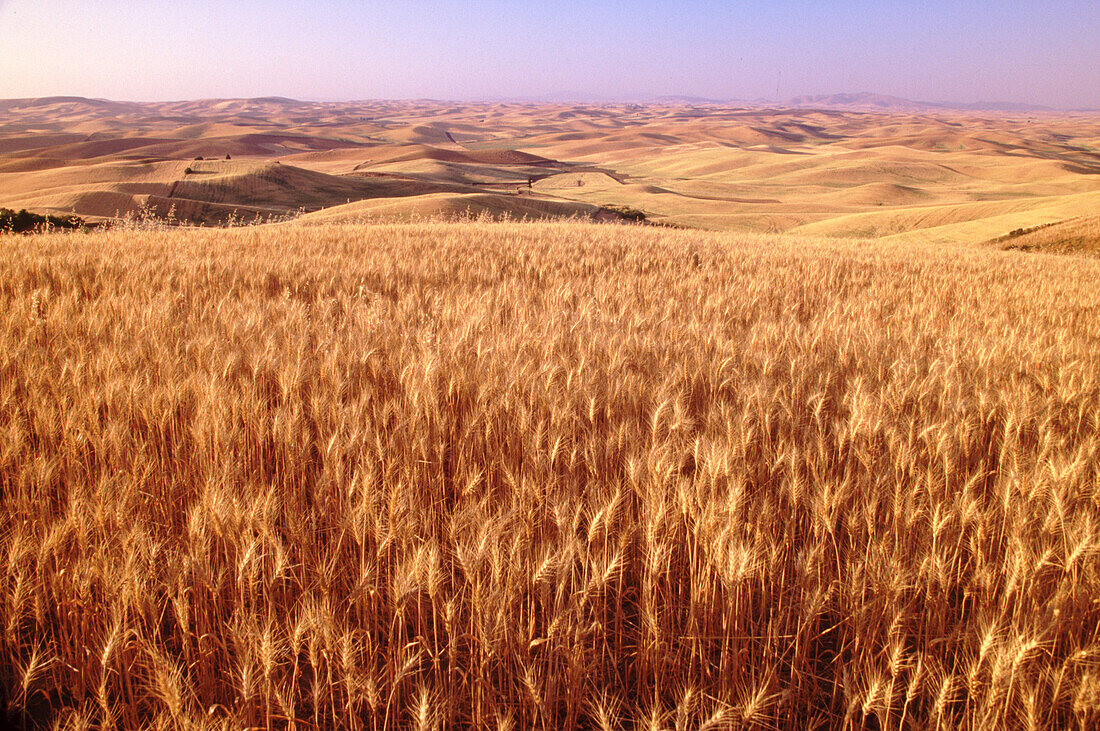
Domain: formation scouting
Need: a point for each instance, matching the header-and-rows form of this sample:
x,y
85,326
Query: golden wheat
x,y
546,476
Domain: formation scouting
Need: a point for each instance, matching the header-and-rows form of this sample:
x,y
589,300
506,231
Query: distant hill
x,y
871,166
66,102
859,101
866,101
687,99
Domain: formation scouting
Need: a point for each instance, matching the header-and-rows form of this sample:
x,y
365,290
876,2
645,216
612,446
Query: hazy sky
x,y
935,50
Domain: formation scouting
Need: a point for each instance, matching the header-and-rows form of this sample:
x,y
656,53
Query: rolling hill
x,y
845,165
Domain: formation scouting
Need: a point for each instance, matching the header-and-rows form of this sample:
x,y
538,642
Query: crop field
x,y
546,475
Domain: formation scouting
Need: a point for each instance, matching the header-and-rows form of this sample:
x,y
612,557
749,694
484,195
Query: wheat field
x,y
546,475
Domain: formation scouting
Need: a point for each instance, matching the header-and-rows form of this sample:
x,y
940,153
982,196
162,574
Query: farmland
x,y
551,475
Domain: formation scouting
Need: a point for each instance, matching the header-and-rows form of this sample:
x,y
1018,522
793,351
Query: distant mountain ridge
x,y
867,101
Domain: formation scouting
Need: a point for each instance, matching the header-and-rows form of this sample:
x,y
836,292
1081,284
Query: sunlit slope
x,y
205,191
950,177
1080,235
840,192
448,205
942,222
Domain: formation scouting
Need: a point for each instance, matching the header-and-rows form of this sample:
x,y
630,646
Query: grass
x,y
546,476
1080,236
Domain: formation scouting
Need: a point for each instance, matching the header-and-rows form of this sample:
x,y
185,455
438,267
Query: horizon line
x,y
887,102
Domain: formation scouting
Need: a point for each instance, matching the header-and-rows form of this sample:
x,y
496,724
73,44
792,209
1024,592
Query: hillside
x,y
1080,235
447,206
844,166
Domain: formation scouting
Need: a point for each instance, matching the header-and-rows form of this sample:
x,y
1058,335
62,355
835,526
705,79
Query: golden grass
x,y
546,476
1073,236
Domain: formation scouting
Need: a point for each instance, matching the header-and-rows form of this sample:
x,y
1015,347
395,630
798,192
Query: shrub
x,y
25,221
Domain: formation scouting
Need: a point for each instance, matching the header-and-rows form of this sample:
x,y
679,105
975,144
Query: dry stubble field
x,y
546,475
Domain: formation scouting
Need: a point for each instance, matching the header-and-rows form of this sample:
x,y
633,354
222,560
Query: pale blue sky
x,y
1031,52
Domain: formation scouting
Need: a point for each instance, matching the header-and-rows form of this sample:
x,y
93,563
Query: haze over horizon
x,y
326,50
